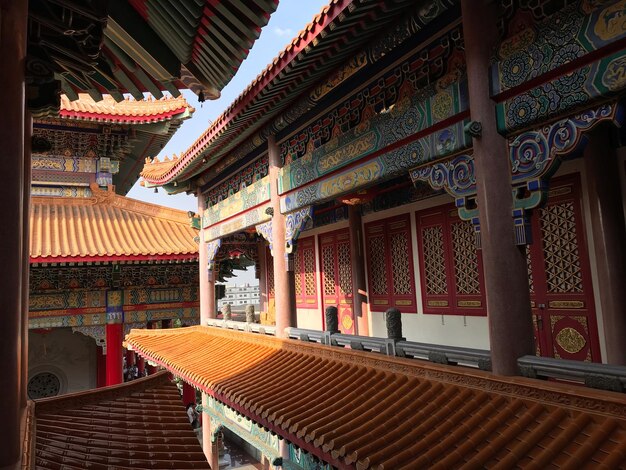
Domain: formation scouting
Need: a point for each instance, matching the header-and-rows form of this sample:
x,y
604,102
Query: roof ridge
x,y
108,197
83,397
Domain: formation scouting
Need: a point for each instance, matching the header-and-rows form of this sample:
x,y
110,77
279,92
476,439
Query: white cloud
x,y
283,32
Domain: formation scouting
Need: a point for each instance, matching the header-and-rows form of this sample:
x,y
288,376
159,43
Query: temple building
x,y
99,261
456,166
102,263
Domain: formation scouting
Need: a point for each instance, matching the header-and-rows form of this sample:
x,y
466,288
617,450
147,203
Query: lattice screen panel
x,y
402,280
562,260
328,267
345,268
378,267
309,272
298,267
434,261
465,258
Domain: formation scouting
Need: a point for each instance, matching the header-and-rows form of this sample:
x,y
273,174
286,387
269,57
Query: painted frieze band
x,y
238,223
579,42
392,163
246,198
410,115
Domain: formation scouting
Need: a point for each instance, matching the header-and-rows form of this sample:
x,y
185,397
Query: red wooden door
x,y
559,276
337,277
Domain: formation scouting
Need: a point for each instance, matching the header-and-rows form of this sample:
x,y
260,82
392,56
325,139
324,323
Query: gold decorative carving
x,y
561,191
469,303
437,303
404,302
346,322
568,304
380,302
570,340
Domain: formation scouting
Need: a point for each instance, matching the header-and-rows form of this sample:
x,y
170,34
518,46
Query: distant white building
x,y
238,296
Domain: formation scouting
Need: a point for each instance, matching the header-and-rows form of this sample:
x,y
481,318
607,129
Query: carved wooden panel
x,y
450,265
391,280
304,273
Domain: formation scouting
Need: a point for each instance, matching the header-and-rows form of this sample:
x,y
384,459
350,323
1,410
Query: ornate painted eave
x,y
107,227
410,415
129,111
127,132
119,46
334,35
140,424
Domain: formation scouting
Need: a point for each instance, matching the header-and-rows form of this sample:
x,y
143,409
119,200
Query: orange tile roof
x,y
107,227
363,410
141,424
128,111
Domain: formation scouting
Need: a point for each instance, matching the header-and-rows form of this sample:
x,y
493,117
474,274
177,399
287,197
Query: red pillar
x,y
114,337
284,287
130,358
13,18
506,275
101,367
141,365
207,277
262,274
114,333
359,289
189,394
28,128
607,222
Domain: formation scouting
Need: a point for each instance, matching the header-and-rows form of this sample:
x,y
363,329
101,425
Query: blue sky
x,y
290,17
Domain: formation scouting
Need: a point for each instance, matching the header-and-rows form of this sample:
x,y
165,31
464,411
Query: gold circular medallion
x,y
570,340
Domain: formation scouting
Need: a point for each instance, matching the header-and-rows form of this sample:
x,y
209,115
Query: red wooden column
x,y
207,276
210,448
13,17
607,222
28,132
357,258
284,282
114,333
101,367
189,394
506,276
141,365
262,274
203,268
114,337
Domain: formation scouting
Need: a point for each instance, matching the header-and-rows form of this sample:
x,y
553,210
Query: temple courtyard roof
x,y
140,424
364,410
107,227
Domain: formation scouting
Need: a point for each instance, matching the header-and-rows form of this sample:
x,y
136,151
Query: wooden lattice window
x,y
391,281
450,265
304,270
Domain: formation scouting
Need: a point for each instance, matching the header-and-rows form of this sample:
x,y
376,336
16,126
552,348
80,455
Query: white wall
x,y
69,356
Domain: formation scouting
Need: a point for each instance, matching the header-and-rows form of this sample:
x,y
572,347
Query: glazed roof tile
x,y
141,424
129,111
107,227
362,410
334,35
